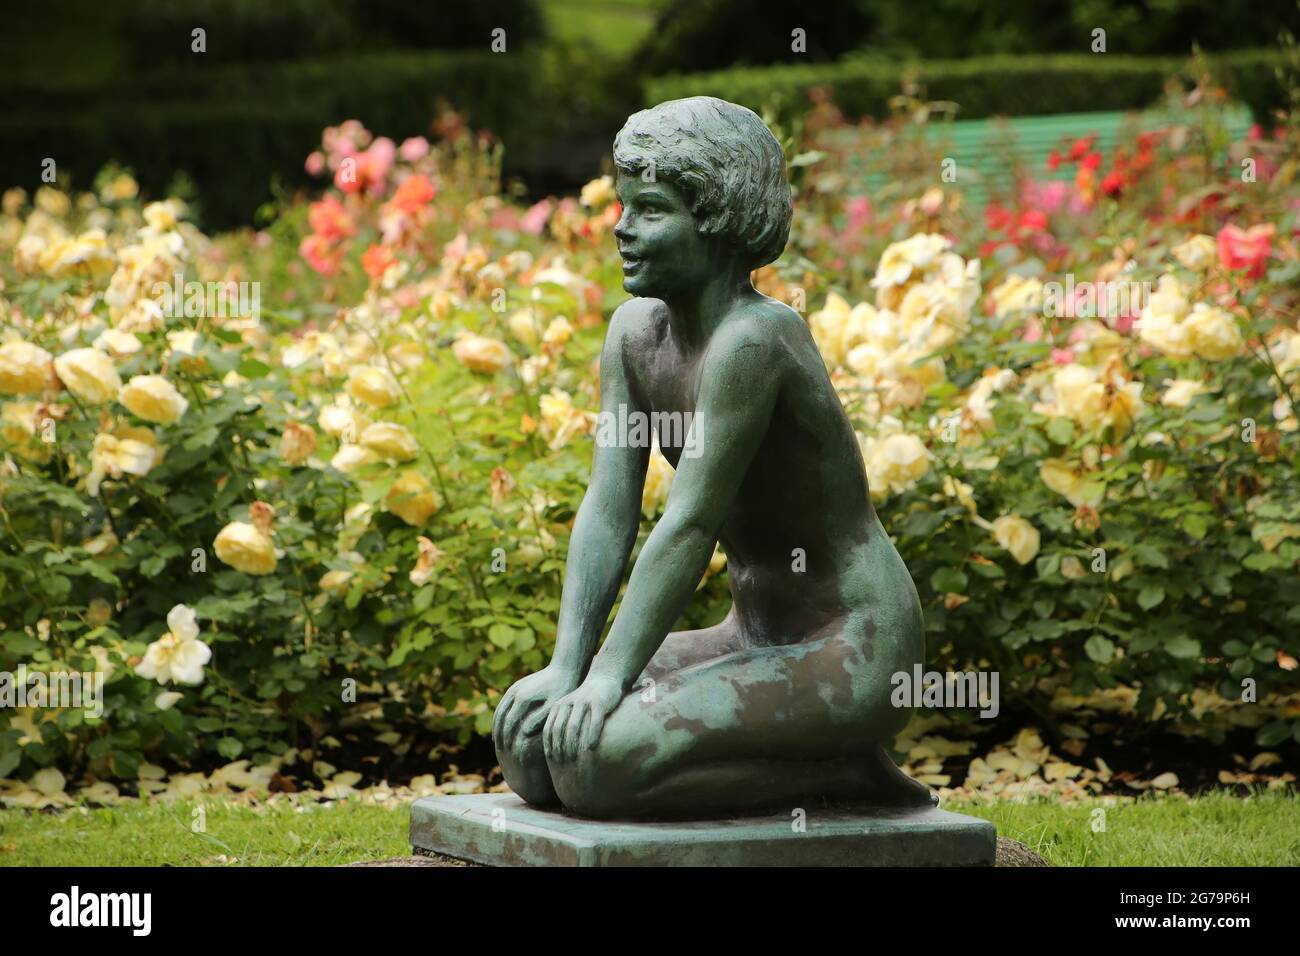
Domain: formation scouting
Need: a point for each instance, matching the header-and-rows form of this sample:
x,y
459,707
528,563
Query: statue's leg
x,y
791,726
682,649
524,765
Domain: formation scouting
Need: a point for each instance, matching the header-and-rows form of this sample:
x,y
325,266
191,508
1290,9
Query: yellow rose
x,y
24,368
374,386
335,580
87,252
1082,396
297,443
390,440
19,427
932,315
1018,536
1180,392
901,259
112,456
895,462
1198,253
13,200
523,326
342,422
558,332
408,355
1071,482
161,216
1161,322
481,354
351,457
598,193
412,499
246,548
117,343
154,399
1212,333
561,421
658,480
827,326
1015,294
28,253
426,562
89,374
54,202
964,493
122,187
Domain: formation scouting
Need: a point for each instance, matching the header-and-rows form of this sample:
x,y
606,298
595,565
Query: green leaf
x,y
947,580
1150,596
1061,430
1196,525
501,635
1099,649
229,747
125,765
1183,647
1272,734
1151,557
1235,648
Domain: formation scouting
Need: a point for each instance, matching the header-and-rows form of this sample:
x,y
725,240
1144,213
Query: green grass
x,y
1213,830
614,27
1217,829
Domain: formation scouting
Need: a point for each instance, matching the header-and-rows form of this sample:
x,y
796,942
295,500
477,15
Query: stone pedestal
x,y
499,829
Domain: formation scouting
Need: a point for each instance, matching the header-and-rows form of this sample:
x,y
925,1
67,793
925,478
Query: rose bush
x,y
349,512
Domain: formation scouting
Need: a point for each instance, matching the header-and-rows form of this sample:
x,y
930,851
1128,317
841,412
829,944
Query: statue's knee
x,y
525,770
592,784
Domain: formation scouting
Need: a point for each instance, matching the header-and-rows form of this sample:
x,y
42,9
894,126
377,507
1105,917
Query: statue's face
x,y
659,240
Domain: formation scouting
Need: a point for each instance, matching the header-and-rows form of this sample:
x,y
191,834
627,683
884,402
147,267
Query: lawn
x,y
1215,829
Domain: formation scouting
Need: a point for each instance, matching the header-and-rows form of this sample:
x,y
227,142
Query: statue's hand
x,y
527,702
575,721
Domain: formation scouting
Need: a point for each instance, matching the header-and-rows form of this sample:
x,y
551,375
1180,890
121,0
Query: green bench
x,y
985,150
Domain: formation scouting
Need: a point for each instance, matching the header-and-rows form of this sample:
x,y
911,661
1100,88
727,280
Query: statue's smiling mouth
x,y
631,263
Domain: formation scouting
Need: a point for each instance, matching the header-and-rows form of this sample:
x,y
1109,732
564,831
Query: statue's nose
x,y
622,230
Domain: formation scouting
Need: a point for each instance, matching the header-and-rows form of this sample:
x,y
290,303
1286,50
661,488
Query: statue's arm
x,y
607,521
740,382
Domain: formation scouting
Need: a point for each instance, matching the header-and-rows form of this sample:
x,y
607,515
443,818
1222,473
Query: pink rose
x,y
1247,249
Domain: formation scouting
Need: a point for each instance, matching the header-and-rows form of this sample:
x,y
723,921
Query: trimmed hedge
x,y
986,86
232,129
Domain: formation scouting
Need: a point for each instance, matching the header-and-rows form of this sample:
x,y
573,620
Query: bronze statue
x,y
786,702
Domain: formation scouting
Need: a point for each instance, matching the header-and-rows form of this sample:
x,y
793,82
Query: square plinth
x,y
499,829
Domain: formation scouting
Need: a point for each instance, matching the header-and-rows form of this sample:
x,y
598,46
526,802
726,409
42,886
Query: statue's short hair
x,y
727,163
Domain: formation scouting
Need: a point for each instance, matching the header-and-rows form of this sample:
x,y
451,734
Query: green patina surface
x,y
499,829
786,702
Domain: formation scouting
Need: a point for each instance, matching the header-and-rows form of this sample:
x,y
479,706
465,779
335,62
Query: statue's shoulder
x,y
637,324
638,315
765,324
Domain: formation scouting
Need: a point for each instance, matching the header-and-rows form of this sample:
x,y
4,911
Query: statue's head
x,y
703,187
